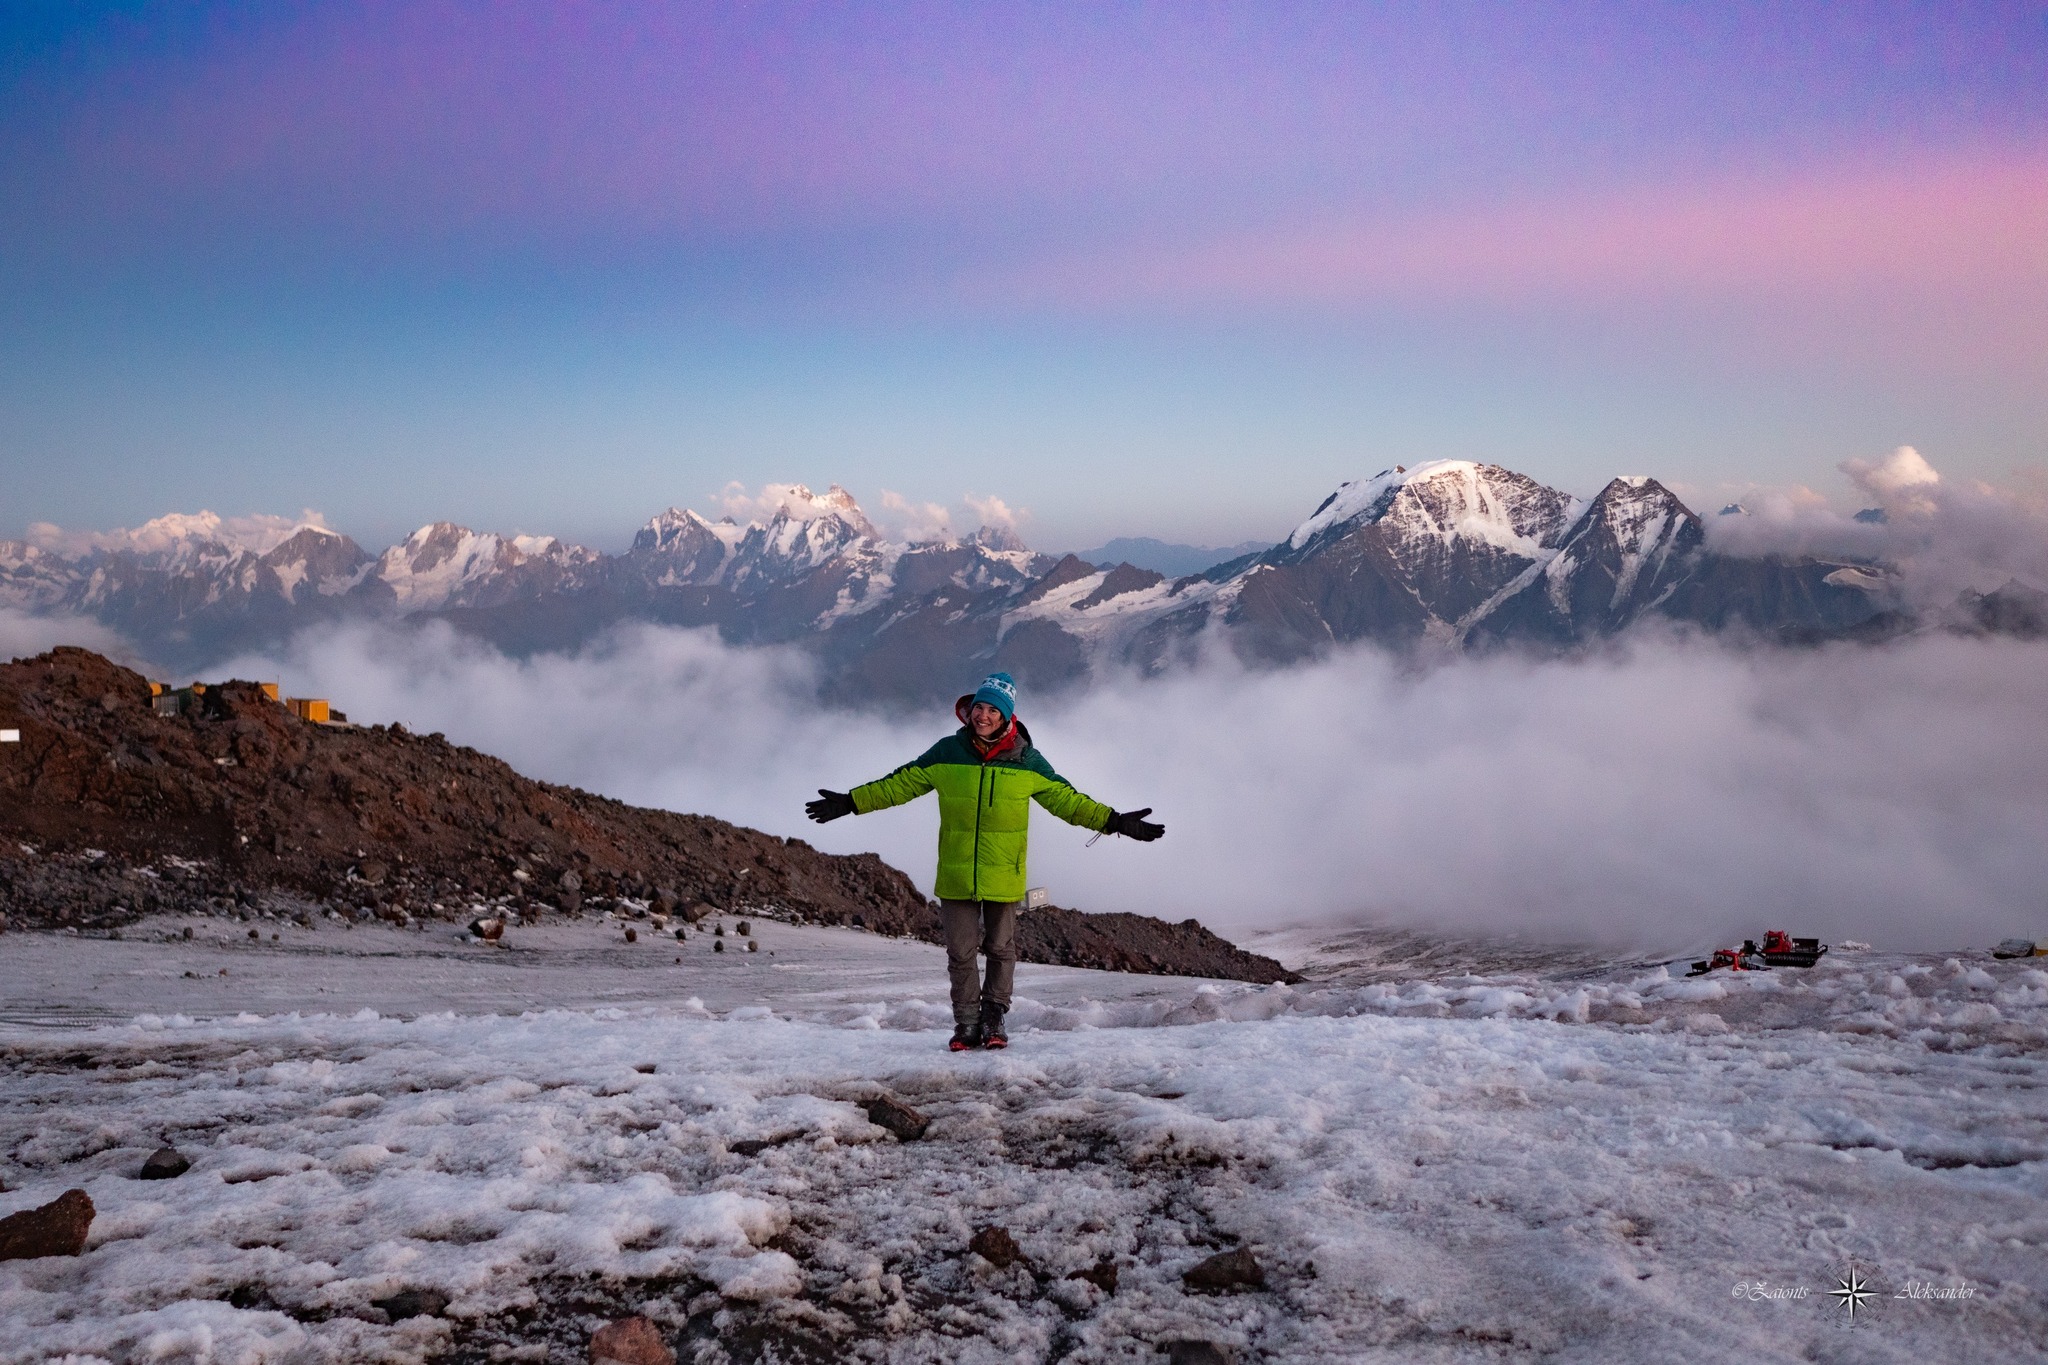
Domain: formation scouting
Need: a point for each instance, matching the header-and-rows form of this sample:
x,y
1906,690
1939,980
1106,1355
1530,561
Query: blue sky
x,y
1165,270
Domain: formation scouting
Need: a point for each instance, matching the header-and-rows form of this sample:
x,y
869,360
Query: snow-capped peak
x,y
441,562
1448,499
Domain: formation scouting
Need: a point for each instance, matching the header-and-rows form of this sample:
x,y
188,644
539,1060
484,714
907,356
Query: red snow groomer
x,y
1780,950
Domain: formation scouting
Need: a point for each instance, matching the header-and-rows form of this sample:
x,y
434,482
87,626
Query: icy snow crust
x,y
1572,1161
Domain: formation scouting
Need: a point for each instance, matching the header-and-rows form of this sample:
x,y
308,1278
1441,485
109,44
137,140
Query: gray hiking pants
x,y
988,927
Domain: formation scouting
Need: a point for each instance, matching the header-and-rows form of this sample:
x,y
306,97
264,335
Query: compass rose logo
x,y
1853,1291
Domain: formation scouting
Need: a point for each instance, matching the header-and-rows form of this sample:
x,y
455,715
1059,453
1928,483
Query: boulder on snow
x,y
489,930
885,1111
1102,1274
165,1163
58,1228
1226,1272
995,1245
630,1341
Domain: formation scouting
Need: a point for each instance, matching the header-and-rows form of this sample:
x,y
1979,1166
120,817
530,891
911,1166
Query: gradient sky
x,y
1171,269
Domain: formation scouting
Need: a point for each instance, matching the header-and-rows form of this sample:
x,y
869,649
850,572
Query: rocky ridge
x,y
110,811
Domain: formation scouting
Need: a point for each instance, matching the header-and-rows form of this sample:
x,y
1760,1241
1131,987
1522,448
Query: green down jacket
x,y
984,810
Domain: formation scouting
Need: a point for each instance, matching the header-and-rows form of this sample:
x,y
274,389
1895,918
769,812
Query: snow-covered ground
x,y
1521,1155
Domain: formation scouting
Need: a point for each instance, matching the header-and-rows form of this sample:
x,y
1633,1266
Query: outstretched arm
x,y
1072,806
907,783
1061,798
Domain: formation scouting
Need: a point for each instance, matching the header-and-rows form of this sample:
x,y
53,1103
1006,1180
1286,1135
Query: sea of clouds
x,y
1667,793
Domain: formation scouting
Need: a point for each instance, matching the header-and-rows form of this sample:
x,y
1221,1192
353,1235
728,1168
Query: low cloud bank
x,y
1944,537
1668,795
23,635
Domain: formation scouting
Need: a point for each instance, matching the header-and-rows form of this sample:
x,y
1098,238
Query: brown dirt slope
x,y
109,811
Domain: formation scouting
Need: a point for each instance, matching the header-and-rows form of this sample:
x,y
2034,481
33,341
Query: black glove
x,y
829,806
1132,824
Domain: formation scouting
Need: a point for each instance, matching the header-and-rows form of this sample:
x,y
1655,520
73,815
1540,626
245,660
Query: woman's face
x,y
985,719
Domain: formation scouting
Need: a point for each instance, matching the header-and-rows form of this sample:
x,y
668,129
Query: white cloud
x,y
913,522
993,511
1902,482
23,635
793,500
1943,537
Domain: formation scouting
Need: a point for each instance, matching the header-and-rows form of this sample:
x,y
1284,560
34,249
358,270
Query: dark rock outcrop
x,y
1226,1272
1138,943
886,1111
995,1245
251,801
165,1163
57,1228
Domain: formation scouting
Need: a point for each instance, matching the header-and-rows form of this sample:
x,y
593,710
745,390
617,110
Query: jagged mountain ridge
x,y
1449,554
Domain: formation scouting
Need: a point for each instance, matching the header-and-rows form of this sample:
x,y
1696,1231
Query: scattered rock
x,y
571,882
1198,1353
1102,1275
413,1303
188,931
885,1111
744,929
645,1068
630,1341
373,872
718,930
995,1245
753,945
751,1147
717,945
632,934
1226,1272
165,1163
58,1228
489,930
681,933
256,934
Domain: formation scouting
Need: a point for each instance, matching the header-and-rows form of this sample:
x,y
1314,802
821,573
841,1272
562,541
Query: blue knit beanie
x,y
1000,691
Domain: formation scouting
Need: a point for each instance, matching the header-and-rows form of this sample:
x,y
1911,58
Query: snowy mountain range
x,y
1449,554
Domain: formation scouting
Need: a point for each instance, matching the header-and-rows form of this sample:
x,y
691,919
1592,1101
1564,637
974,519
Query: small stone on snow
x,y
630,1341
1226,1271
165,1163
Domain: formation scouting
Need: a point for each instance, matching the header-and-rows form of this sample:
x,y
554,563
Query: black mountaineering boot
x,y
966,1038
993,1035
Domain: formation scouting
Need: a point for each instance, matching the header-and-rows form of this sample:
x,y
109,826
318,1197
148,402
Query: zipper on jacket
x,y
977,828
